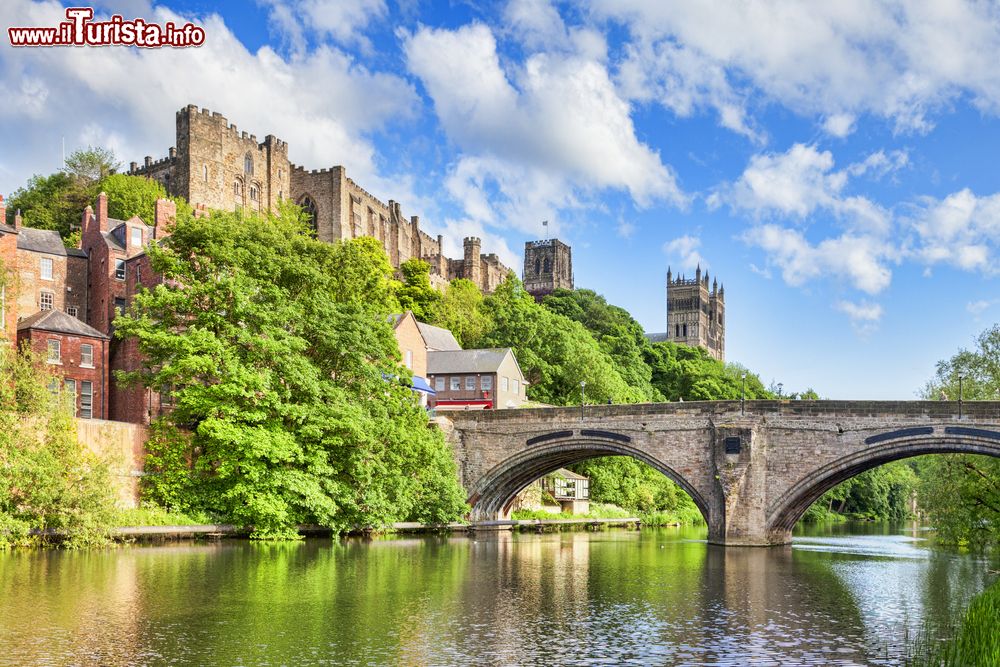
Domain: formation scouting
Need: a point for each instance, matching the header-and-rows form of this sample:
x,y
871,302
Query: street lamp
x,y
961,376
780,387
743,393
583,396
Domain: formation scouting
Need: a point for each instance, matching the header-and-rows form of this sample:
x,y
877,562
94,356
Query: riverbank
x,y
976,642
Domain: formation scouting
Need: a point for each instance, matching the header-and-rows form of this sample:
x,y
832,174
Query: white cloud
x,y
864,315
127,97
834,60
685,249
962,230
545,134
343,21
977,308
860,260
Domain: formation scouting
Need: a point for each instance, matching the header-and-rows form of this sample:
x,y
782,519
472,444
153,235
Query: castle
x,y
696,315
215,166
548,266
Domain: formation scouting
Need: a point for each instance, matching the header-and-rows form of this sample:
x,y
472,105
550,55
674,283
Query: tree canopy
x,y
290,403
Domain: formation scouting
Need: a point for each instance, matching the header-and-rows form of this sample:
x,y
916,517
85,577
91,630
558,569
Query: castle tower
x,y
696,313
548,266
472,268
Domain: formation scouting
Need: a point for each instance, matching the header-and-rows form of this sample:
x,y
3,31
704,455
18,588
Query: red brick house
x,y
78,351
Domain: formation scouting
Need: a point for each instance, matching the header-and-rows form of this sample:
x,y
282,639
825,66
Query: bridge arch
x,y
492,496
793,503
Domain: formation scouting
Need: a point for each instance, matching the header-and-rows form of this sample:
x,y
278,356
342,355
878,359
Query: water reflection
x,y
617,597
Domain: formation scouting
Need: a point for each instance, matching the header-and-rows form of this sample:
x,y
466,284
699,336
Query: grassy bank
x,y
603,511
977,641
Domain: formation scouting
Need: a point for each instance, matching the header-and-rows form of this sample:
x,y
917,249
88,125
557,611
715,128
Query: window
x,y
547,267
55,351
486,382
69,386
685,330
45,300
253,193
439,384
470,383
517,386
46,268
505,384
119,269
248,164
309,208
166,396
456,383
538,266
237,188
87,356
279,173
204,172
119,306
677,331
72,311
136,236
409,359
585,489
87,400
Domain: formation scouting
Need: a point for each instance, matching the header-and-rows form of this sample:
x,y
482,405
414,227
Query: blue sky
x,y
834,165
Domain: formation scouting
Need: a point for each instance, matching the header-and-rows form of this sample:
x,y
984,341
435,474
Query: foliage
x,y
977,641
51,202
633,485
91,164
461,312
555,353
691,374
960,493
416,292
149,514
277,349
880,493
131,195
48,481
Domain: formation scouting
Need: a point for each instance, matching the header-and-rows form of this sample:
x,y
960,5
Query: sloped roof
x,y
438,338
466,361
567,474
657,337
41,240
4,227
58,322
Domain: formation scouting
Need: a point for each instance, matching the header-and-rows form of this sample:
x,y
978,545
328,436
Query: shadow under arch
x,y
790,507
493,494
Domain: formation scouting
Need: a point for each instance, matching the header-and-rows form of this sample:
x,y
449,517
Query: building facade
x,y
548,266
696,313
487,379
215,165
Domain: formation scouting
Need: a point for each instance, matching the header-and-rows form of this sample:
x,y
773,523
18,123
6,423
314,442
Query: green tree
x,y
90,165
280,357
47,479
416,292
131,195
461,312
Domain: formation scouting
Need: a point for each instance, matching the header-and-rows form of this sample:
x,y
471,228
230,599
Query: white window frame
x,y
86,400
470,383
53,349
456,383
486,382
73,311
409,359
505,384
133,231
517,387
119,269
439,383
42,305
45,268
86,349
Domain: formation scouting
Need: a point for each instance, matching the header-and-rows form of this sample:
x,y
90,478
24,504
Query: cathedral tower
x,y
548,266
696,313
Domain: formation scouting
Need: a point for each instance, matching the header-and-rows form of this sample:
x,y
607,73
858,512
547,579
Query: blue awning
x,y
421,384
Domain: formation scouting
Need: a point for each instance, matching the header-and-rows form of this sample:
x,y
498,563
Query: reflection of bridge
x,y
752,474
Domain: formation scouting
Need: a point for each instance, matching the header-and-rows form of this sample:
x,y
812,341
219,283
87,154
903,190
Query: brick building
x,y
215,165
79,353
488,379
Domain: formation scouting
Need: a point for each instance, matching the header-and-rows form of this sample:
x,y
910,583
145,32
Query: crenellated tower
x,y
696,312
548,266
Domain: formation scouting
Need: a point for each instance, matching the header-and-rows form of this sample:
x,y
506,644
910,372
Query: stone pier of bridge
x,y
752,468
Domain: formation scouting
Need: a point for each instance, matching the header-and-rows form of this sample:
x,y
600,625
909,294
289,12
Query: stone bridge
x,y
753,470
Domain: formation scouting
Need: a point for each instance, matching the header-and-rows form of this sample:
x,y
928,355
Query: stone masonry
x,y
752,473
215,165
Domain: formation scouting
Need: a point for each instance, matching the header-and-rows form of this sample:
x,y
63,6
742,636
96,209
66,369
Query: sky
x,y
834,165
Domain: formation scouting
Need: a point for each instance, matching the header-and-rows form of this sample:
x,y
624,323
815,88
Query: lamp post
x,y
780,387
743,393
961,377
583,397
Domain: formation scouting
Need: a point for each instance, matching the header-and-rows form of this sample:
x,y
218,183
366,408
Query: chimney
x,y
88,216
166,213
17,220
102,212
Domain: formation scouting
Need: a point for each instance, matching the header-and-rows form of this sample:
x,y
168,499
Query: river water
x,y
845,596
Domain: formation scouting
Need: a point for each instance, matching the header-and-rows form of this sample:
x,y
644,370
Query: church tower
x,y
696,313
548,266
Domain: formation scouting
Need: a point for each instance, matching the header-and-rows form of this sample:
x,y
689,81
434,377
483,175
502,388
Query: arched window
x,y
237,188
253,193
204,172
309,208
248,164
538,266
548,266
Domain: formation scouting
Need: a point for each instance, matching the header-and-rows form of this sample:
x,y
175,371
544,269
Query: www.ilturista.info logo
x,y
80,30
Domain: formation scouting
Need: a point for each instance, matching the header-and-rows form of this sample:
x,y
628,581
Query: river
x,y
838,595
